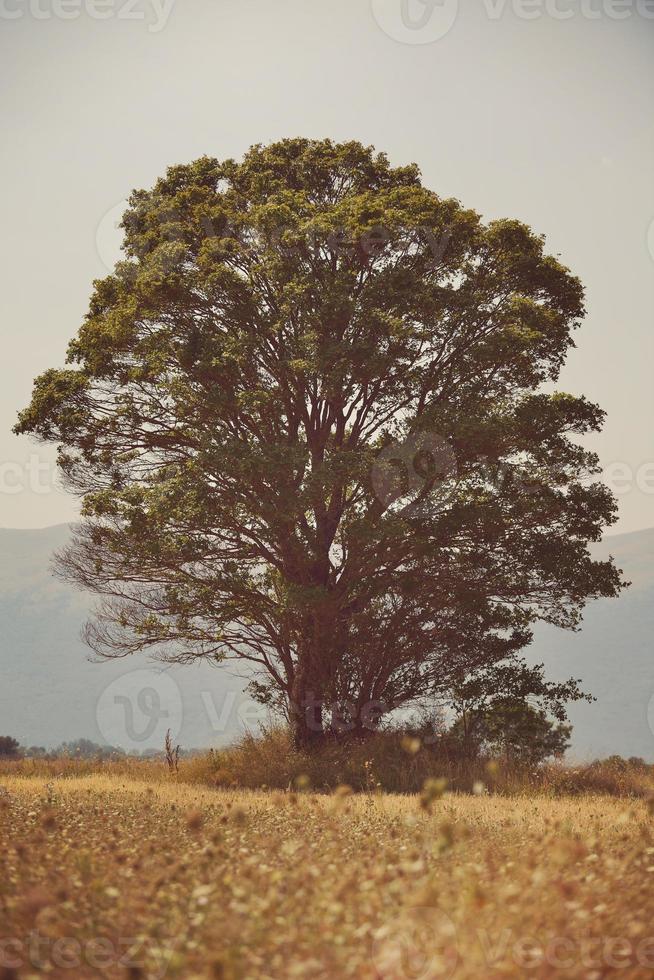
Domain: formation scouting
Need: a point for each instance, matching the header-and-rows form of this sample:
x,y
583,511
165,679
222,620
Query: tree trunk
x,y
306,715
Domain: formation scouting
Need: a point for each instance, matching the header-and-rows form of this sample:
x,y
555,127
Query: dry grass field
x,y
110,877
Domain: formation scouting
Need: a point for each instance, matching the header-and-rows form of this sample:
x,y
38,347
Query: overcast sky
x,y
537,111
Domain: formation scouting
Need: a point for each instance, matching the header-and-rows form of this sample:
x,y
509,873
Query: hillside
x,y
613,655
50,691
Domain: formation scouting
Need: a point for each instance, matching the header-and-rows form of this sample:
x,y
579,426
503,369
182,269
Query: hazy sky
x,y
540,111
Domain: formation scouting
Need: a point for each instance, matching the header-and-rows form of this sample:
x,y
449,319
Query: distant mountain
x,y
614,657
50,692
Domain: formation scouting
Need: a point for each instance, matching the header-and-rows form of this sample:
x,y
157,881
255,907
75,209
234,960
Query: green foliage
x,y
9,747
280,334
514,730
511,710
385,760
84,748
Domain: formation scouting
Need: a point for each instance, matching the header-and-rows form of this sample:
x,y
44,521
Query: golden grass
x,y
269,760
110,876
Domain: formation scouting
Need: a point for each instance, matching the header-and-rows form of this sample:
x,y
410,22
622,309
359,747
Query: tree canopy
x,y
313,422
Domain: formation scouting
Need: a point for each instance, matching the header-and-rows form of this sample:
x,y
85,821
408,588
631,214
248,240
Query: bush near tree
x,y
9,747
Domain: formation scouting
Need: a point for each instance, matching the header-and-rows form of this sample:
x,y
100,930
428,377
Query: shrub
x,y
514,729
614,776
395,761
9,747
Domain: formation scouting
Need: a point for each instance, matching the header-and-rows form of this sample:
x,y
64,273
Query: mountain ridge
x,y
51,692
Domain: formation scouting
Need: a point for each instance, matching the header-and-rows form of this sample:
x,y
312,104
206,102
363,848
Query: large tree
x,y
307,418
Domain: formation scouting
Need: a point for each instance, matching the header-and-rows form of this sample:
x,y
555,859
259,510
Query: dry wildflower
x,y
238,815
35,900
313,890
432,790
49,818
445,838
194,819
410,745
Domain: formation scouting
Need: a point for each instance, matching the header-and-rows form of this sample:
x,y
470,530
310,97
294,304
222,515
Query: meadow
x,y
106,875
